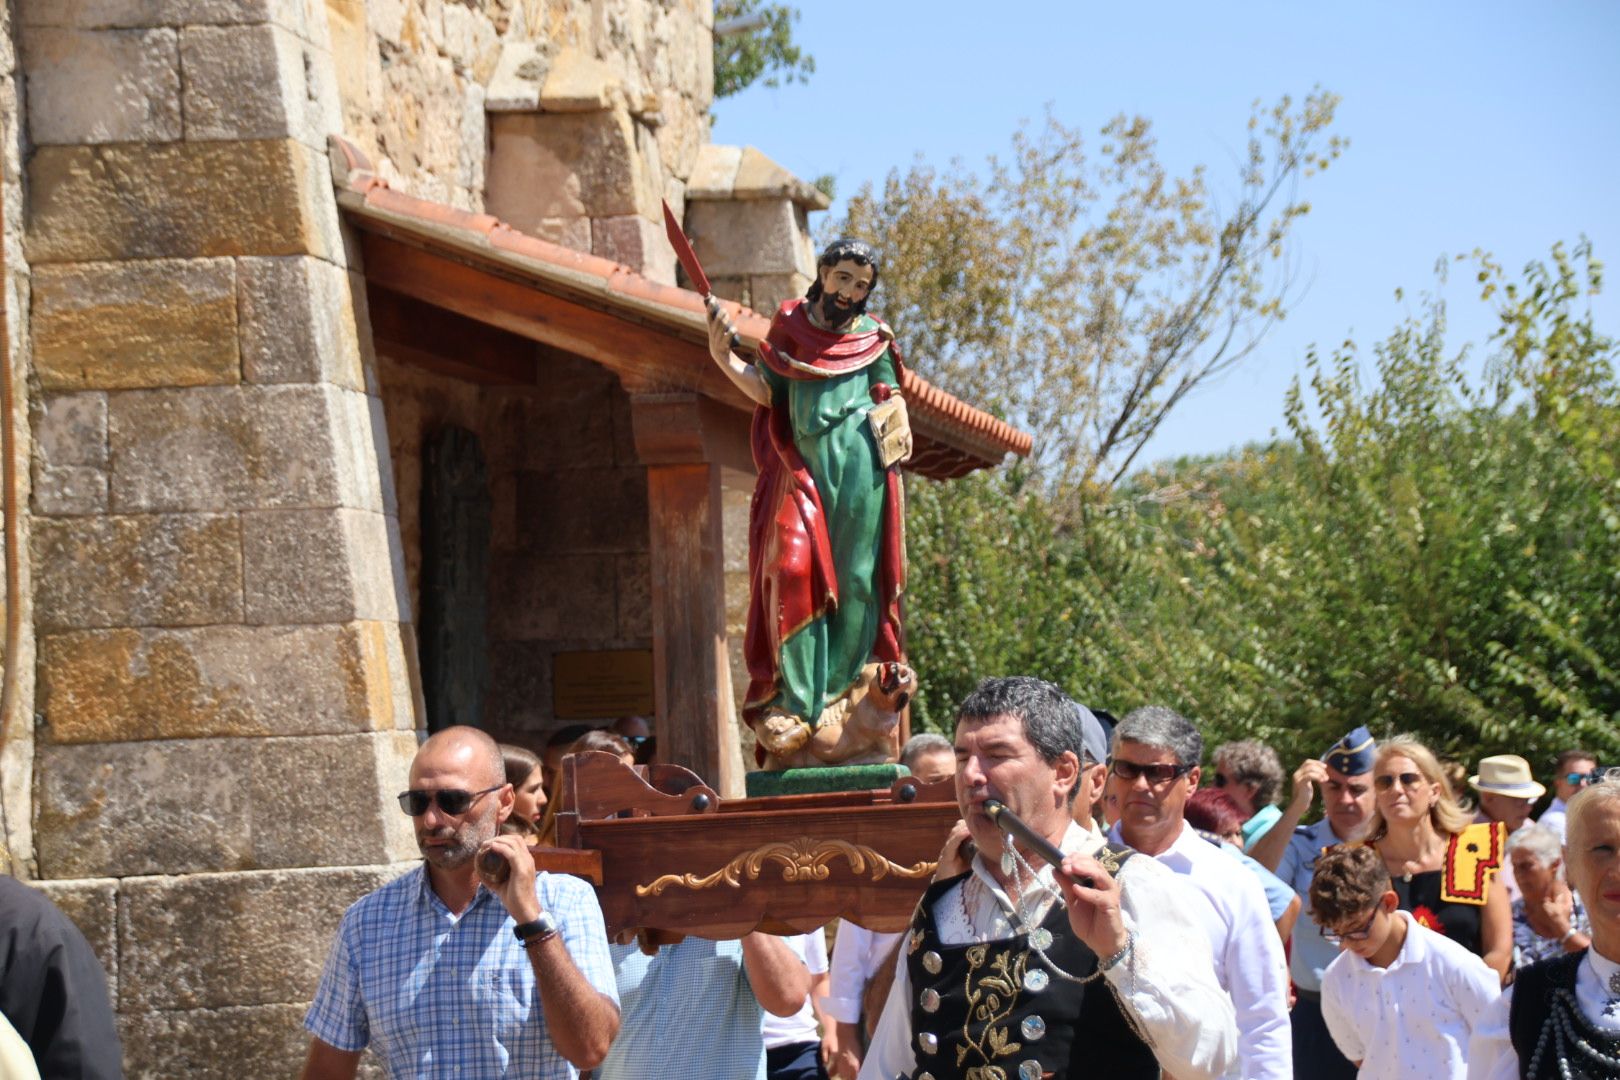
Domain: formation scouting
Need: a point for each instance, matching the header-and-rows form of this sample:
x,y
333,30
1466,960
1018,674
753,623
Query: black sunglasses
x,y
1220,779
1156,774
452,801
1407,779
1334,937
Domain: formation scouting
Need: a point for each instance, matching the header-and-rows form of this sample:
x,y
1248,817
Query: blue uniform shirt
x,y
1311,952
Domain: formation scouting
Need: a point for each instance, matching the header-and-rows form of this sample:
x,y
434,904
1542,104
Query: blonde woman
x,y
1443,866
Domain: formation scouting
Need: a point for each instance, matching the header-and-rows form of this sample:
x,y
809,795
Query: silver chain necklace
x,y
1039,937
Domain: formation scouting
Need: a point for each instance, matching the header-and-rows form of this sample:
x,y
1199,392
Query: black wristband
x,y
538,930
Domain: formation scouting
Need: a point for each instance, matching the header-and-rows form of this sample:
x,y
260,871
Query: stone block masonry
x,y
227,693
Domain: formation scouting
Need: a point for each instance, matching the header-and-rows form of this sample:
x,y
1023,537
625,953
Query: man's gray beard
x,y
471,838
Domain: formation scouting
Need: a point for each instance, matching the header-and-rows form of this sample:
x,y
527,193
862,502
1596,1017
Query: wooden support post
x,y
684,440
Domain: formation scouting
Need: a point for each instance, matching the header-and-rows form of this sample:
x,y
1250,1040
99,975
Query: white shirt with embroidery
x,y
1413,1018
1166,982
1490,1053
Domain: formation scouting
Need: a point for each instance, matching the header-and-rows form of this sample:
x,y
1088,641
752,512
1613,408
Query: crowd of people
x,y
1427,923
1418,927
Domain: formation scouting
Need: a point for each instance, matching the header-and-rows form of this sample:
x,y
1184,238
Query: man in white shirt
x,y
792,1044
1572,771
862,960
1098,971
1154,769
1400,1000
1561,1017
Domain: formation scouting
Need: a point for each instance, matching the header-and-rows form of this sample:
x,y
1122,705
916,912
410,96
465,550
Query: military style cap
x,y
1353,754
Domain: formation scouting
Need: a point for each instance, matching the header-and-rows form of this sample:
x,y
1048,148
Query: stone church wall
x,y
226,698
219,476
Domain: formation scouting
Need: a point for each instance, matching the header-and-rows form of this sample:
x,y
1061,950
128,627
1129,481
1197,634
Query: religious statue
x,y
826,545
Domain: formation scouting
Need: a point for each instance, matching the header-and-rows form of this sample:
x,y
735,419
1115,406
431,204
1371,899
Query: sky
x,y
1471,125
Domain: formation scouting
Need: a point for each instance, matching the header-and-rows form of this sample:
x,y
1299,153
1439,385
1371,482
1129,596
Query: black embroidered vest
x,y
1548,1030
984,1012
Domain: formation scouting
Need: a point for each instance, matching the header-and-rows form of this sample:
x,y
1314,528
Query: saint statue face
x,y
844,288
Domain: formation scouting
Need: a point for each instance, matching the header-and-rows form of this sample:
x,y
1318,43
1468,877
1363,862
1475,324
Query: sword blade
x,y
684,253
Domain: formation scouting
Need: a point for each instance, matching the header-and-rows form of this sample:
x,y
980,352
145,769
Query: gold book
x,y
891,427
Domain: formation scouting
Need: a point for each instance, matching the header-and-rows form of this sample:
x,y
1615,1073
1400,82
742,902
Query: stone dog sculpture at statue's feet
x,y
860,728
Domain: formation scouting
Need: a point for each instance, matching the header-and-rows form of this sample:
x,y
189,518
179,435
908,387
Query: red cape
x,y
791,576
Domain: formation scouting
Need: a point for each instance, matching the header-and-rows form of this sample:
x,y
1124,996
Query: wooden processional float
x,y
667,854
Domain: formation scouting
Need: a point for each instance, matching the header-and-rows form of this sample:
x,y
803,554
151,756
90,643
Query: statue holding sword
x,y
826,547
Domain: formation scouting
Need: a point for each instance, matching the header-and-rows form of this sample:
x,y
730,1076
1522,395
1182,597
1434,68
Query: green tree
x,y
1437,552
763,49
1085,293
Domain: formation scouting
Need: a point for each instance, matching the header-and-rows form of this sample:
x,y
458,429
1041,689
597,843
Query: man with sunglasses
x,y
1290,850
444,974
1155,768
1573,770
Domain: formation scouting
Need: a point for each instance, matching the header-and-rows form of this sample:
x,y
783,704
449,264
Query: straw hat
x,y
1506,774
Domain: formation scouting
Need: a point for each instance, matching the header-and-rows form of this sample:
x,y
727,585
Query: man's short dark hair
x,y
1051,724
1561,763
857,251
1348,881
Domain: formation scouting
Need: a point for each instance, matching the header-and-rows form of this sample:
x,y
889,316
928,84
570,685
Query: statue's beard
x,y
836,315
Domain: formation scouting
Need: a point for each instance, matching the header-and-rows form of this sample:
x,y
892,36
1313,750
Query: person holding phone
x,y
440,971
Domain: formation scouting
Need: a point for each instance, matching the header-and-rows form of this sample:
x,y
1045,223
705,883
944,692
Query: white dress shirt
x,y
1248,954
1413,1018
1166,982
856,956
1491,1055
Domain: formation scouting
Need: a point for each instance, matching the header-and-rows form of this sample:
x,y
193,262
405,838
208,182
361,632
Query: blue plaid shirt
x,y
689,1013
439,995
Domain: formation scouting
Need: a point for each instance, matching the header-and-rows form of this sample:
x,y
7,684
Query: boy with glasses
x,y
1401,1000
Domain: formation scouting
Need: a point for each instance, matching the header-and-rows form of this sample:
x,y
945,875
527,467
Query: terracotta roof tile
x,y
973,438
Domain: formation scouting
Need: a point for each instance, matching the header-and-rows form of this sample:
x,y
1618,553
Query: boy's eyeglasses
x,y
452,801
1407,779
1156,774
1581,779
1336,937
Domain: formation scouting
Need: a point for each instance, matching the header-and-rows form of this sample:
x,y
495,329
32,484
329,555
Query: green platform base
x,y
815,781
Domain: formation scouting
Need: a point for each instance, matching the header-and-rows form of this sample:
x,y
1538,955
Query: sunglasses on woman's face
x,y
1408,780
1156,774
452,801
